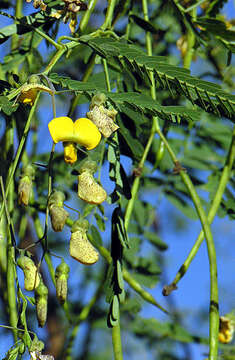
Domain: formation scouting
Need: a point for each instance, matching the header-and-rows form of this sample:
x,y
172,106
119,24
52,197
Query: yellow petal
x,y
70,153
28,96
86,133
61,129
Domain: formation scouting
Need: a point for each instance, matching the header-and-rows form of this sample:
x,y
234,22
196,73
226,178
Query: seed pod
x,y
80,247
31,275
88,189
57,213
103,118
41,298
25,185
61,278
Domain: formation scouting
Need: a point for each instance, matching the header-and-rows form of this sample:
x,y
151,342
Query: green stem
x,y
10,271
190,43
82,317
117,342
155,125
19,152
86,76
87,15
109,15
214,300
54,59
225,176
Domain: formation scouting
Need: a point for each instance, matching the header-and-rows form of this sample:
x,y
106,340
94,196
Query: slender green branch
x,y
109,15
82,317
225,176
155,125
19,151
117,342
86,17
214,300
190,38
10,271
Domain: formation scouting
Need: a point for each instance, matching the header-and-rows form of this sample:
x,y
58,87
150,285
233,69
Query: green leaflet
x,y
170,77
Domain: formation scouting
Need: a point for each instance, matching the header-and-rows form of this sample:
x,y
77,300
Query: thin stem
x,y
225,176
19,151
190,38
86,76
81,317
155,125
106,72
117,342
10,271
214,300
87,15
109,15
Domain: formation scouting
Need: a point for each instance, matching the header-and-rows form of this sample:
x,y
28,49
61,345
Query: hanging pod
x,y
58,214
102,117
25,185
80,247
88,189
41,299
31,274
61,278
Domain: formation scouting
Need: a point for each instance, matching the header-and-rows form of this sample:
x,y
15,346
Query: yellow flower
x,y
82,132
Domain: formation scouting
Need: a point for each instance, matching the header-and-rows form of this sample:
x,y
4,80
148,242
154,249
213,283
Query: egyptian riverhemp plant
x,y
101,119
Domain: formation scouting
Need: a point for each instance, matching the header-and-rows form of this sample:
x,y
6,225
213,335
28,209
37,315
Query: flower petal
x,y
86,133
61,129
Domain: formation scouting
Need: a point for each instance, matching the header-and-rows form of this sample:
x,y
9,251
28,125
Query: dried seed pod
x,y
88,189
103,118
80,247
57,213
25,185
41,299
31,274
61,278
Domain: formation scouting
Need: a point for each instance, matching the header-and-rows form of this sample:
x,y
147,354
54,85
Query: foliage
x,y
171,136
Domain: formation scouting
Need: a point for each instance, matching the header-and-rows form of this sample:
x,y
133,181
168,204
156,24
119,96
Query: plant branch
x,y
214,300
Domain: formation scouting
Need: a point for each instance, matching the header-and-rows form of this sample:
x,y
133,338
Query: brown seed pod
x,y
31,274
41,298
61,278
80,247
57,213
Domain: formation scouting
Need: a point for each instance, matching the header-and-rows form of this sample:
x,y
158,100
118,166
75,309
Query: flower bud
x,y
70,152
57,213
88,189
31,275
226,329
25,185
103,118
80,247
41,298
61,278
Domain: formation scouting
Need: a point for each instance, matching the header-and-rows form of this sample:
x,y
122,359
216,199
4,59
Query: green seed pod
x,y
80,247
57,213
31,275
61,278
41,298
88,165
25,185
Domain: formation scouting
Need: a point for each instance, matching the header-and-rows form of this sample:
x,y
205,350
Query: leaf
x,y
96,235
7,106
100,221
146,25
204,94
155,240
